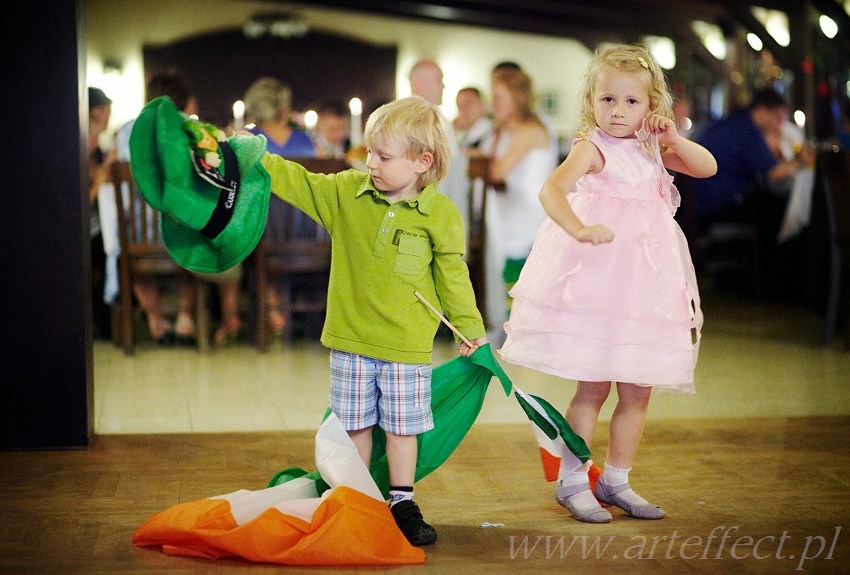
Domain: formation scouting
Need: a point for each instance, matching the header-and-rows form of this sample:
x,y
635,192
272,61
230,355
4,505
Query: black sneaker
x,y
409,519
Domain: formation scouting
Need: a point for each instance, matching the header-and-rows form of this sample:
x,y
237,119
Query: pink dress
x,y
625,311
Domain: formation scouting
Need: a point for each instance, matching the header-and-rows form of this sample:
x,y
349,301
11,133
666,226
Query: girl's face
x,y
393,173
620,102
503,103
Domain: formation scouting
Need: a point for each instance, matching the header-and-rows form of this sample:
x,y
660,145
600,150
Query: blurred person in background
x,y
330,136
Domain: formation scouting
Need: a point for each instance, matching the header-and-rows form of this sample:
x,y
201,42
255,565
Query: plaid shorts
x,y
367,391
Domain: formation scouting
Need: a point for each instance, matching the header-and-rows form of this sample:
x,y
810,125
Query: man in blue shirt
x,y
745,165
744,160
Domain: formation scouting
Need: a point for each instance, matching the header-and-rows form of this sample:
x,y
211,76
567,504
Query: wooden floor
x,y
780,483
753,470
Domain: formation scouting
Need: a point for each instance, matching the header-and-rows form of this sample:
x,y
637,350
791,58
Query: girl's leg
x,y
573,491
276,320
626,429
584,408
147,293
228,295
627,424
185,325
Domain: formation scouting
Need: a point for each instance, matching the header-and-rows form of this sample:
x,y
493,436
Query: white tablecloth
x,y
798,212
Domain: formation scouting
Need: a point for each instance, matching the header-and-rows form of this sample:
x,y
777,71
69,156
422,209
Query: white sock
x,y
583,500
397,495
572,470
614,476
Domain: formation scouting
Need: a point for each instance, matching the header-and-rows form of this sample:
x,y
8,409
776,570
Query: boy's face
x,y
393,173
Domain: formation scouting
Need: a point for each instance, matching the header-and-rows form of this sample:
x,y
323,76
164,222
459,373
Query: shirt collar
x,y
424,201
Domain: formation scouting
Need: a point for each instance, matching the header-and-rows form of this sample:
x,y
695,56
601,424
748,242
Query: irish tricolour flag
x,y
556,438
290,523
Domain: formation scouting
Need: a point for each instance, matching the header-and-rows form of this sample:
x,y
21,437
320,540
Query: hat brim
x,y
162,167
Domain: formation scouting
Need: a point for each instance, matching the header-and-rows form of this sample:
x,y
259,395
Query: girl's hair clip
x,y
643,62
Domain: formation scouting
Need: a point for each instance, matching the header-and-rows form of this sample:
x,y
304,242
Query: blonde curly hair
x,y
630,58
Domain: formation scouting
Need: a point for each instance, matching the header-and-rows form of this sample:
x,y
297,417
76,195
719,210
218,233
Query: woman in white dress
x,y
523,154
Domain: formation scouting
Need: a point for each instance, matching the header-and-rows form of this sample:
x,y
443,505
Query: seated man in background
x,y
745,167
330,136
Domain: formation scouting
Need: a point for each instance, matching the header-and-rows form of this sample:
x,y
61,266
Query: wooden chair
x,y
833,169
144,256
294,253
477,233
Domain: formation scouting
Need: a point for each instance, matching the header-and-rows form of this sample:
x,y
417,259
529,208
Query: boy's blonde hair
x,y
421,127
632,58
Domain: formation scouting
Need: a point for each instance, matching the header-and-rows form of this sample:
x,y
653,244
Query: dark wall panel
x,y
221,67
46,357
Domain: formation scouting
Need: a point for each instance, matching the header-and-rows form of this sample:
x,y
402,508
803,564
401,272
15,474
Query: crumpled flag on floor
x,y
292,523
318,518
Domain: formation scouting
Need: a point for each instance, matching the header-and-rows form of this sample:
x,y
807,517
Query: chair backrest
x,y
833,205
143,255
293,247
833,166
292,241
138,231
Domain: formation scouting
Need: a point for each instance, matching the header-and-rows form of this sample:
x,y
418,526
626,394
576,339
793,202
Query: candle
x,y
238,115
356,107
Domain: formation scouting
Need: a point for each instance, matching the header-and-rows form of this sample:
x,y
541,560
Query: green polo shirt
x,y
381,253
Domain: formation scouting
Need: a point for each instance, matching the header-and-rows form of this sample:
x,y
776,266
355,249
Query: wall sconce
x,y
112,68
276,25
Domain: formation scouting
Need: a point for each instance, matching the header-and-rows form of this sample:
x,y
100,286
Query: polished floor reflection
x,y
755,360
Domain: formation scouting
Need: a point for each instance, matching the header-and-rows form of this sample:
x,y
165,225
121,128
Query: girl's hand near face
x,y
664,128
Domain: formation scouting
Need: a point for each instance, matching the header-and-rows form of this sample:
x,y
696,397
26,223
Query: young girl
x,y
609,292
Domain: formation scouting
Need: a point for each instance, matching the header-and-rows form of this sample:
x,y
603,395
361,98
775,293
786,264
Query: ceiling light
x,y
828,26
754,41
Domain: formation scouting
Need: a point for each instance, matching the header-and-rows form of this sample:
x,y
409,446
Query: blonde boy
x,y
393,234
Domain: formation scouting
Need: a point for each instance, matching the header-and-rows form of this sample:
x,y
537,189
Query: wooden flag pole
x,y
443,319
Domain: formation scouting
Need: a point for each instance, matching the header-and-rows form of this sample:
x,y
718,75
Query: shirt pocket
x,y
414,255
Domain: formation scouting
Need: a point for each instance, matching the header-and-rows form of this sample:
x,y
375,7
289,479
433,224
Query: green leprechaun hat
x,y
214,195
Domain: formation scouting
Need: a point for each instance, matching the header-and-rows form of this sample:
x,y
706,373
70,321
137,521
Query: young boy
x,y
393,234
